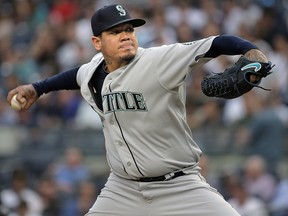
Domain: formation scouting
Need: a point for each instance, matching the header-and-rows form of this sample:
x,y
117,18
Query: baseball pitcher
x,y
139,95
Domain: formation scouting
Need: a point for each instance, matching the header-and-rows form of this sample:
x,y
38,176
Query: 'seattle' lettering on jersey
x,y
144,113
124,101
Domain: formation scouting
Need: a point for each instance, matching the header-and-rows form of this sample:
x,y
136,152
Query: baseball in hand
x,y
17,105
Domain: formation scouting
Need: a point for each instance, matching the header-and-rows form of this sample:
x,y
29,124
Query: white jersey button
x,y
128,163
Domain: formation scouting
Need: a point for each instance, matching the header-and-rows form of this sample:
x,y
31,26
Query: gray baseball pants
x,y
187,195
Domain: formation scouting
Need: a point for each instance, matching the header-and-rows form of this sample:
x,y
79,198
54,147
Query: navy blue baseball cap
x,y
110,16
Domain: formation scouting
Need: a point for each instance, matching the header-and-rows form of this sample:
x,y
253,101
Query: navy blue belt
x,y
166,177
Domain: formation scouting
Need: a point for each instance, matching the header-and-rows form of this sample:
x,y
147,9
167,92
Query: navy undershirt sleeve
x,y
63,81
229,45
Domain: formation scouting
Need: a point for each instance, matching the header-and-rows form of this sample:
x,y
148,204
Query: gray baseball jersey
x,y
144,115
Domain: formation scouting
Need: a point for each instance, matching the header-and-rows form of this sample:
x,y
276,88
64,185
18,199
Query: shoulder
x,y
189,44
157,50
207,40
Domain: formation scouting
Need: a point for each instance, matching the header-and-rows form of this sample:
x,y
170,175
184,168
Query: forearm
x,y
62,81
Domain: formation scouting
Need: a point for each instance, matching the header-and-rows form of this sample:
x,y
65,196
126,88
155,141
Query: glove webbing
x,y
220,87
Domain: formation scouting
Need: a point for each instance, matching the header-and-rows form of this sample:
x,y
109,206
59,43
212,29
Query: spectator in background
x,y
68,103
21,197
226,177
237,12
183,11
279,56
47,190
71,172
206,120
159,31
263,131
184,33
257,180
4,211
21,210
269,24
84,200
43,49
213,12
243,202
279,203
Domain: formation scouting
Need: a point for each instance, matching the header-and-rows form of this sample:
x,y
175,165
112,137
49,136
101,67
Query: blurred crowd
x,y
66,188
40,38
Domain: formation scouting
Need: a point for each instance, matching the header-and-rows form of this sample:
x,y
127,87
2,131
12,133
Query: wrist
x,y
256,55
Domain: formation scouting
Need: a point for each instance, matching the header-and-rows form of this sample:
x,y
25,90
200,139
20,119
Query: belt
x,y
166,177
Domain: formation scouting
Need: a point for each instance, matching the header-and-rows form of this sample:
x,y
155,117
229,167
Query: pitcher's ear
x,y
96,42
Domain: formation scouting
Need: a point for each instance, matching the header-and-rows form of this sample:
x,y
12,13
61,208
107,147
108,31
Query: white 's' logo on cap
x,y
121,10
